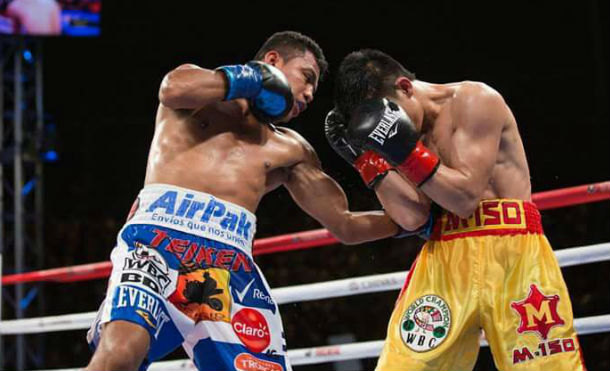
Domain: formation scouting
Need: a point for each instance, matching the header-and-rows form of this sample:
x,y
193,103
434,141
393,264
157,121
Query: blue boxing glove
x,y
265,87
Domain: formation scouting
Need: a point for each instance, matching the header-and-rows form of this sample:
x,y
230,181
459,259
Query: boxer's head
x,y
302,61
368,74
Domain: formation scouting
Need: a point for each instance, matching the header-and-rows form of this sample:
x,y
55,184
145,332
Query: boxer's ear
x,y
273,58
405,85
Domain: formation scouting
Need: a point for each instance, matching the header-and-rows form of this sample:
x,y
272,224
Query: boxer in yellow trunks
x,y
447,162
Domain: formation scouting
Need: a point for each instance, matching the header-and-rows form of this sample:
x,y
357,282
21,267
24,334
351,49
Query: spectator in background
x,y
35,17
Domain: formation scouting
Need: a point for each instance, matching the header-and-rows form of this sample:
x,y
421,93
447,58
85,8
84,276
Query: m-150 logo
x,y
538,315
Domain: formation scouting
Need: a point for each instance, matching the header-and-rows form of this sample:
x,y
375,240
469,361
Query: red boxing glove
x,y
372,168
383,126
420,165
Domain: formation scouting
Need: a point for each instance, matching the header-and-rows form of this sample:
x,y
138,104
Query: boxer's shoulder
x,y
477,103
299,146
293,138
472,93
469,92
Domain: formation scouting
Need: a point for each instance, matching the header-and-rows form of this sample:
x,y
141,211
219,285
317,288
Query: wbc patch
x,y
426,323
146,267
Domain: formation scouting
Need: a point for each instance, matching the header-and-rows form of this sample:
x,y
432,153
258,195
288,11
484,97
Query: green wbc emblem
x,y
426,323
408,325
439,332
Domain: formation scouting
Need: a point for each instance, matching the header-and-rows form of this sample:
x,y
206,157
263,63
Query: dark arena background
x,y
97,108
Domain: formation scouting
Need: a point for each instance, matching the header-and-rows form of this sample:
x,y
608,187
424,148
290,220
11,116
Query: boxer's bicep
x,y
459,183
312,189
189,87
475,144
317,194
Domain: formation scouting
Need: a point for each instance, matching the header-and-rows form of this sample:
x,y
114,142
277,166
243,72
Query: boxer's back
x,y
510,176
219,151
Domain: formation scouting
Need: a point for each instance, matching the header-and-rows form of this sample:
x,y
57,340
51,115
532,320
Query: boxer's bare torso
x,y
221,151
502,155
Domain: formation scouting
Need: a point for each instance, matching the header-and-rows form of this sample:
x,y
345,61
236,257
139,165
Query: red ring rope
x,y
302,240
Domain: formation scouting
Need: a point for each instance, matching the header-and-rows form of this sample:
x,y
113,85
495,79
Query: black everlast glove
x,y
266,88
384,127
371,166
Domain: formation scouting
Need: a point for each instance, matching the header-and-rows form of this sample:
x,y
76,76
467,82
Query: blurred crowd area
x,y
50,17
365,317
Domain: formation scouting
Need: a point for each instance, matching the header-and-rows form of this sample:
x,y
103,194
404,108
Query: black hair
x,y
366,74
291,44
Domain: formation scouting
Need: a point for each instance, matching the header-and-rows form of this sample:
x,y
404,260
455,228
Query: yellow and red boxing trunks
x,y
495,271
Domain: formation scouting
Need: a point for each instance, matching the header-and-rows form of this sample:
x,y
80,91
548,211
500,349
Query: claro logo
x,y
252,329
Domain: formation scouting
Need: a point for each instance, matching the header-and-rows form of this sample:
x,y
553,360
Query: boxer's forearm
x,y
360,227
454,190
191,87
323,199
402,201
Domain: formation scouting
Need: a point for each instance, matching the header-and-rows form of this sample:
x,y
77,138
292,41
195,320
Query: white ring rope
x,y
583,254
298,293
324,290
366,349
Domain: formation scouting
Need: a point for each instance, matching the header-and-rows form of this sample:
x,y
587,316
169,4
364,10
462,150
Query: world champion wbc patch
x,y
426,323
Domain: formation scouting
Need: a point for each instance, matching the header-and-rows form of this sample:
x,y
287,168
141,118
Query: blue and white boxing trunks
x,y
183,270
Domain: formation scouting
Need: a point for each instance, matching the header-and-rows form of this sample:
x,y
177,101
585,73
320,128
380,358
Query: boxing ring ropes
x,y
316,291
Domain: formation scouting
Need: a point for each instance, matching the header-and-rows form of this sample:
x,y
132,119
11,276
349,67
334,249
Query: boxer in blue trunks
x,y
182,268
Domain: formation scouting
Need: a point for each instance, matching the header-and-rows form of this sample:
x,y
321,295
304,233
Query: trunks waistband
x,y
193,212
491,218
